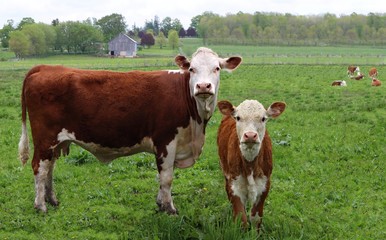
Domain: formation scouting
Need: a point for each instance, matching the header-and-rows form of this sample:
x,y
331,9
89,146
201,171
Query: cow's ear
x,y
276,109
225,107
182,62
231,63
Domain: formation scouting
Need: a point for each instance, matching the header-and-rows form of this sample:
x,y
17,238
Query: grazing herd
x,y
353,72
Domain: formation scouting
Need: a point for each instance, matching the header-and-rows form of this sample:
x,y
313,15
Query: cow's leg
x,y
166,169
41,168
258,207
50,194
237,204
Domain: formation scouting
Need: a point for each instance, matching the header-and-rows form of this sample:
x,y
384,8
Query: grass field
x,y
329,153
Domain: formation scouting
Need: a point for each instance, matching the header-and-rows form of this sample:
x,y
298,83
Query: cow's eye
x,y
263,119
191,70
217,69
237,118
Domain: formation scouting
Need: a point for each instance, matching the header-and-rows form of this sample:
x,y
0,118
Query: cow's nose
x,y
250,137
204,87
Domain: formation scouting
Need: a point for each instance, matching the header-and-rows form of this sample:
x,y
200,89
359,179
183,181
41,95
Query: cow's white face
x,y
204,71
251,117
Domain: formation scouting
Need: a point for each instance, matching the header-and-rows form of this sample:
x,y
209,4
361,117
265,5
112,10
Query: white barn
x,y
123,46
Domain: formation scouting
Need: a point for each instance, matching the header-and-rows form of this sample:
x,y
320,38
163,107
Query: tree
x,y
37,39
173,39
191,32
25,21
147,40
161,40
19,43
112,25
166,25
5,32
182,33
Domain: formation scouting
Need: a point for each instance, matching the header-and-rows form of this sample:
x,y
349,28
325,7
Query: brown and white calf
x,y
351,70
373,73
376,82
340,83
245,151
114,114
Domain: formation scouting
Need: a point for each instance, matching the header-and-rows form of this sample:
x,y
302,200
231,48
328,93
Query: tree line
x,y
261,28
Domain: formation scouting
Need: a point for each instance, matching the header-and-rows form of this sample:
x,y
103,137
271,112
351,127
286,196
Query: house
x,y
123,46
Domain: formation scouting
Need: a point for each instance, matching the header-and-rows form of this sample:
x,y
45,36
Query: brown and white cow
x,y
114,114
245,151
373,73
358,77
351,70
376,82
340,83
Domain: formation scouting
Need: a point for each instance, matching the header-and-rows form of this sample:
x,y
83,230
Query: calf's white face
x,y
251,117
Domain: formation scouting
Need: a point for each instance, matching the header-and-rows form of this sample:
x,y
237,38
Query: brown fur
x,y
232,164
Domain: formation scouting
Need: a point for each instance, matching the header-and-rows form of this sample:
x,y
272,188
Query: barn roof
x,y
123,35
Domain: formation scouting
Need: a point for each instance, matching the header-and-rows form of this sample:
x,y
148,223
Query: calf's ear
x,y
225,107
276,109
231,63
182,62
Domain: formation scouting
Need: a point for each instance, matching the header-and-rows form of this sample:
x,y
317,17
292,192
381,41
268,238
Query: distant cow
x,y
114,114
373,72
245,151
376,82
359,77
341,83
351,70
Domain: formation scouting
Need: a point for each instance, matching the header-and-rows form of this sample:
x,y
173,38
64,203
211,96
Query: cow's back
x,y
114,109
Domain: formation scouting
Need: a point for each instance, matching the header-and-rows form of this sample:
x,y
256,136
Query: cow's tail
x,y
24,142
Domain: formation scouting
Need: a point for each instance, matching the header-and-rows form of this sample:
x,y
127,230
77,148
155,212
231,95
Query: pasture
x,y
329,155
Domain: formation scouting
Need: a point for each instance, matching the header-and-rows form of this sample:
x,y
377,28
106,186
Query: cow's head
x,y
251,117
204,71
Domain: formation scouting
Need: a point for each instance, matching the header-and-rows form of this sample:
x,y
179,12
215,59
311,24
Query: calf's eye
x,y
237,118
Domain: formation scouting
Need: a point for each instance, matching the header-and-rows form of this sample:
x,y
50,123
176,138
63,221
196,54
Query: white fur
x,y
24,144
249,189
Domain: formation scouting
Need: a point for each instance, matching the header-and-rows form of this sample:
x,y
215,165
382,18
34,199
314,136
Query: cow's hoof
x,y
168,209
41,207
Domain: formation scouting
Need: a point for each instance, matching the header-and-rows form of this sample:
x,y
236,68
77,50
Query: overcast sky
x,y
138,11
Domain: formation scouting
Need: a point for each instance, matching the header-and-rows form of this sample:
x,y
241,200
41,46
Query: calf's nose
x,y
250,137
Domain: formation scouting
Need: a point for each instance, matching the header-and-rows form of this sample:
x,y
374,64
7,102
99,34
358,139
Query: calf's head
x,y
204,71
251,117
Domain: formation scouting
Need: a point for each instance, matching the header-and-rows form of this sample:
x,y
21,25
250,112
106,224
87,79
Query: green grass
x,y
328,180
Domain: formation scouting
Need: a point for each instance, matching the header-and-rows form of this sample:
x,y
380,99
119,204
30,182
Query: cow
x,y
376,82
358,77
115,114
351,70
245,152
341,83
373,73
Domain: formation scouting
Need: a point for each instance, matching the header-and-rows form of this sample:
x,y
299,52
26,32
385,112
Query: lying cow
x,y
114,114
376,82
245,151
340,83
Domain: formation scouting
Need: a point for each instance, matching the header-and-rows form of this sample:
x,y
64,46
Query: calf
x,y
245,151
351,70
373,72
341,83
358,77
376,82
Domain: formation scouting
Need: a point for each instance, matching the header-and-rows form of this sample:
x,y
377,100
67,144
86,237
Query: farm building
x,y
123,45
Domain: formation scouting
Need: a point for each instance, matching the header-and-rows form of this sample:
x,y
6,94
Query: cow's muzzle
x,y
204,90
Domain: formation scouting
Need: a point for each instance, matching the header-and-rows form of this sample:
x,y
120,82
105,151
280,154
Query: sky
x,y
139,11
